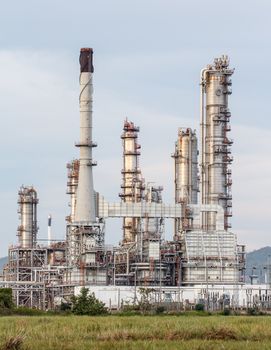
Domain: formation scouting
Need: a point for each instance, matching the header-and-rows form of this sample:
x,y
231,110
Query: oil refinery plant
x,y
202,252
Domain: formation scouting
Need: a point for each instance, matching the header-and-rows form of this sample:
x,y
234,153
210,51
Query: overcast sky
x,y
148,56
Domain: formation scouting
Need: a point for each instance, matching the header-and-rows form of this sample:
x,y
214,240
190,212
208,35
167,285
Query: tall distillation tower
x,y
132,185
210,250
140,248
27,231
215,144
186,174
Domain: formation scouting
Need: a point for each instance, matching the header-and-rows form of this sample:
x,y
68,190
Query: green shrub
x,y
144,302
87,304
130,312
160,310
252,311
6,312
199,307
226,312
26,311
65,307
6,301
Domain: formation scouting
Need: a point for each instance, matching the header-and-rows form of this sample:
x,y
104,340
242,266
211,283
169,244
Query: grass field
x,y
135,332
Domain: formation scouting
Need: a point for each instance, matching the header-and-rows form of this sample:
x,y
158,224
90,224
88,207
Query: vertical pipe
x,y
49,229
202,150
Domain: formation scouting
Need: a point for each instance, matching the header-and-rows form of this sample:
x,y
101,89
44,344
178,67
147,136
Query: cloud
x,y
40,123
252,185
37,107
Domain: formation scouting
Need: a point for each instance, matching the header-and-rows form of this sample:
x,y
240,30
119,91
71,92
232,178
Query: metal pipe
x,y
49,229
203,73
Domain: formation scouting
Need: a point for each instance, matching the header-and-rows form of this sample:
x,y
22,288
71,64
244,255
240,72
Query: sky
x,y
147,57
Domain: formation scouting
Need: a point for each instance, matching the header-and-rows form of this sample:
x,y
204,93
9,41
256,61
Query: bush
x,y
87,304
160,310
226,312
126,313
252,312
6,301
144,303
65,307
27,311
6,312
199,307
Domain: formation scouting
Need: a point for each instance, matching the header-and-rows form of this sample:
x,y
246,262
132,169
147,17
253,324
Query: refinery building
x,y
202,255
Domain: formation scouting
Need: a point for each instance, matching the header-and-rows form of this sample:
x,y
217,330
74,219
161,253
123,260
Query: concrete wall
x,y
237,296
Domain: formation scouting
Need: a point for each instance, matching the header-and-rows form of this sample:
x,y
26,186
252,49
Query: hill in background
x,y
259,264
3,261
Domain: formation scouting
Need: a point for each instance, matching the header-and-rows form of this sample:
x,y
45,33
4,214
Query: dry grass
x,y
13,343
136,332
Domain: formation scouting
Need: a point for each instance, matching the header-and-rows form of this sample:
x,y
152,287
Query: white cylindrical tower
x,y
216,175
132,185
186,167
27,230
85,212
186,174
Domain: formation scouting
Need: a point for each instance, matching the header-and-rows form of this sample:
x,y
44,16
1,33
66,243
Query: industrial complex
x,y
201,260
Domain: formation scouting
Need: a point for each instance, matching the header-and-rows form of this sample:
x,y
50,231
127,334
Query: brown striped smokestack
x,y
86,60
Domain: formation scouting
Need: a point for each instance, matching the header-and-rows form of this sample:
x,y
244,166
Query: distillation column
x,y
27,231
215,144
132,185
186,174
